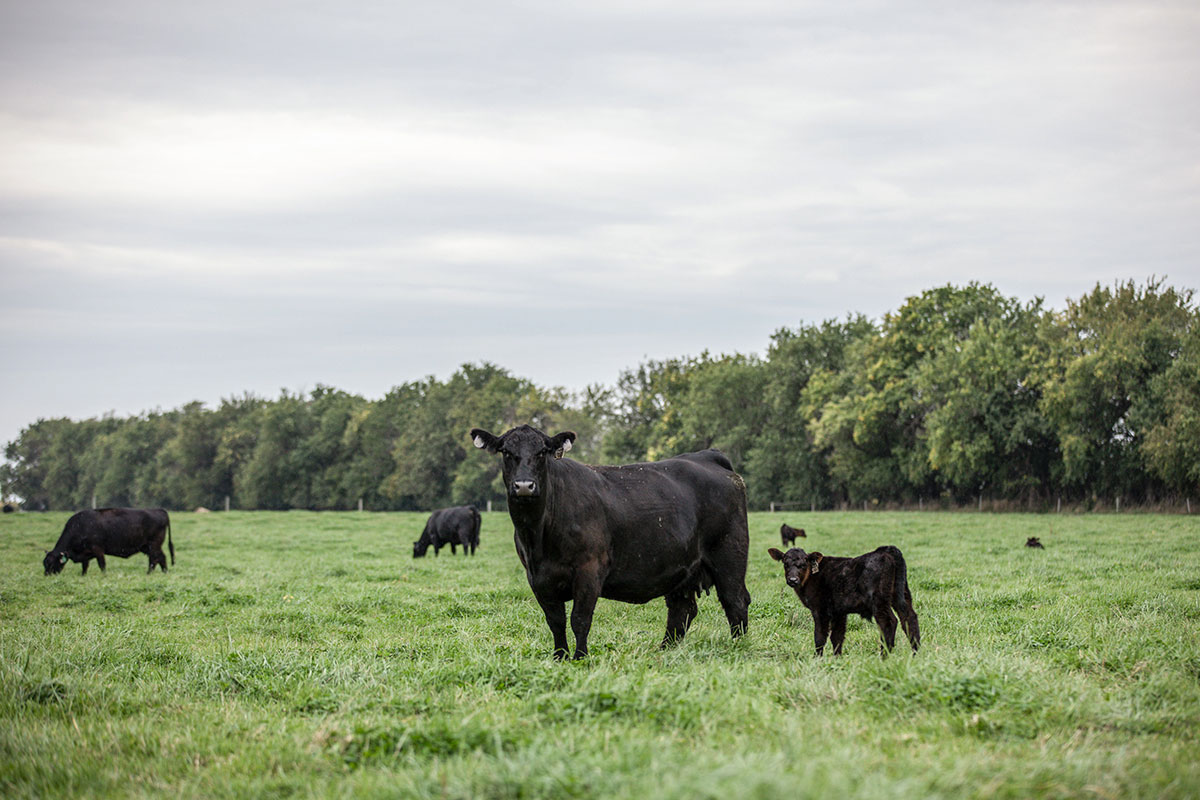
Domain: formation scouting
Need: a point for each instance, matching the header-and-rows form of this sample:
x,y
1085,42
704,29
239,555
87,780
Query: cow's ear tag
x,y
816,567
558,453
62,559
479,442
566,446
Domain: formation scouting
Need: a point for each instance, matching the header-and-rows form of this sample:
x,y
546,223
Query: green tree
x,y
1101,389
784,463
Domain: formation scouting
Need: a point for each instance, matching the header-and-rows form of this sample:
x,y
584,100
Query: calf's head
x,y
420,546
526,452
54,561
798,566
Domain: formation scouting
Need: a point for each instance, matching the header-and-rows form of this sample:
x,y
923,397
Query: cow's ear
x,y
814,559
775,554
483,439
561,443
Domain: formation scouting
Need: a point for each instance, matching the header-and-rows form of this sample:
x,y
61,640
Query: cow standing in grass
x,y
870,585
96,533
632,533
449,526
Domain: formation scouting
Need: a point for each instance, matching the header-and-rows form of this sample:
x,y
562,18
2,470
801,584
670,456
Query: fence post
x,y
1118,504
981,503
772,506
864,505
360,504
93,499
1189,505
920,504
226,502
812,506
489,506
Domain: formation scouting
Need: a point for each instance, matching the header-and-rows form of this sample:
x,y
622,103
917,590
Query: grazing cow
x,y
788,534
870,585
1033,541
96,533
449,526
669,529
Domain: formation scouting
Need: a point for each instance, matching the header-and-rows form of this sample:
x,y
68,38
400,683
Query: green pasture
x,y
296,654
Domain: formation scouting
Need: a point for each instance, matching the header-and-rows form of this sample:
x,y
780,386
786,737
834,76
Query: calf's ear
x,y
483,439
775,554
814,559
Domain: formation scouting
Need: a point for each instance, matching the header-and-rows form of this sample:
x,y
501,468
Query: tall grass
x,y
309,655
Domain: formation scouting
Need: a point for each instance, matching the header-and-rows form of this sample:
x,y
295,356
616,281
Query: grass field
x,y
309,655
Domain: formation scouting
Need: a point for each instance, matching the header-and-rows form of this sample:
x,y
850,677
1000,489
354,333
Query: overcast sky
x,y
201,199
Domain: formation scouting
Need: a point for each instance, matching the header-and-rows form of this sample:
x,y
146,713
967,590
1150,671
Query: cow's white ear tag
x,y
479,442
566,448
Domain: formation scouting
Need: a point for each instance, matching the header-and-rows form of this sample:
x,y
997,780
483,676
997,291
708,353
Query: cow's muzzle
x,y
524,488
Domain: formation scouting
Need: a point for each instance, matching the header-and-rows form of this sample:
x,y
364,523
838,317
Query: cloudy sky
x,y
201,199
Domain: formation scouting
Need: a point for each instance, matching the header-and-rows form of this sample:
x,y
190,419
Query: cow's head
x,y
526,452
419,548
54,561
798,566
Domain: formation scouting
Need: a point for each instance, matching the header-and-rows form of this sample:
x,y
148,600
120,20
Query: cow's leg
x,y
728,568
681,610
85,566
820,632
586,592
453,549
556,618
837,633
100,560
886,621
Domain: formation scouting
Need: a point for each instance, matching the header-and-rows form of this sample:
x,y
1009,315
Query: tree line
x,y
960,393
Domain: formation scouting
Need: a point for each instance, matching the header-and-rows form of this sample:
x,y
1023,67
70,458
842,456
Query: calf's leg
x,y
837,633
886,621
908,619
820,632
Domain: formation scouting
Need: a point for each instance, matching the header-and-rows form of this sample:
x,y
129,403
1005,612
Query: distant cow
x,y
121,532
788,534
9,508
449,526
1033,541
870,585
670,529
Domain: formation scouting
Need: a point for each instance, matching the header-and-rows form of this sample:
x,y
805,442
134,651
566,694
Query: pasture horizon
x,y
307,654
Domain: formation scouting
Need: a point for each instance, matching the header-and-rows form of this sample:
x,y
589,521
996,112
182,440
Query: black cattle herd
x,y
673,529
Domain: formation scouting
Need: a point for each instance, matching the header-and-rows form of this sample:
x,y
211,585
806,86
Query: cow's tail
x,y
476,523
170,542
902,599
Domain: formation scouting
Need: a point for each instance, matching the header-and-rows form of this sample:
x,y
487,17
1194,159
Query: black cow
x,y
788,534
121,532
870,585
449,526
632,533
1033,541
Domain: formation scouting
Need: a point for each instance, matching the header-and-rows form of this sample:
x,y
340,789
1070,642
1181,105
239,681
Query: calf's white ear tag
x,y
566,448
479,442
